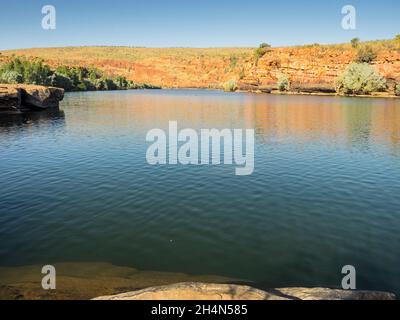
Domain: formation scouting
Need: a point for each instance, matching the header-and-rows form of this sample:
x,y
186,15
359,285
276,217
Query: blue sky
x,y
188,23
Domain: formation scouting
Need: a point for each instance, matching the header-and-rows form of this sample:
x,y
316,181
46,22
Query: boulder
x,y
40,96
19,98
209,291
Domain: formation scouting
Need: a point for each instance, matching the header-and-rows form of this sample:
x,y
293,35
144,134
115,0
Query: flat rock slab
x,y
207,291
20,97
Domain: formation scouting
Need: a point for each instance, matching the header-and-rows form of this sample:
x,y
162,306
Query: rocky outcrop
x,y
20,98
10,99
203,291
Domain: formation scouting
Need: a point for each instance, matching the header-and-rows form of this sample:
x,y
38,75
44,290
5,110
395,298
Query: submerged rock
x,y
17,98
204,291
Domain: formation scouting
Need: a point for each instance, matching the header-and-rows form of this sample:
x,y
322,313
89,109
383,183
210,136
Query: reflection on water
x,y
324,194
359,122
31,118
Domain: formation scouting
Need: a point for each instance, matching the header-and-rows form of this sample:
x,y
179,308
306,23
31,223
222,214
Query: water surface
x,y
75,187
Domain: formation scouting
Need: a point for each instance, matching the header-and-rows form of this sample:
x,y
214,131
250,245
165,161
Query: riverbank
x,y
317,93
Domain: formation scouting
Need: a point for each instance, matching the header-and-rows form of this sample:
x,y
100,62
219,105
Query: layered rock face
x,y
203,291
21,98
316,67
308,67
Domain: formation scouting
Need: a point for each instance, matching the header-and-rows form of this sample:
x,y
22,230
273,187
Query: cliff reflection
x,y
355,122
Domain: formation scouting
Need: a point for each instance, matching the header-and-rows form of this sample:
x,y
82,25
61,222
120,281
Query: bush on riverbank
x,y
366,54
397,90
230,86
69,78
360,78
284,83
10,77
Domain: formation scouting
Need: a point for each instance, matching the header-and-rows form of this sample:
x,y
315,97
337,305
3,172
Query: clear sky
x,y
193,23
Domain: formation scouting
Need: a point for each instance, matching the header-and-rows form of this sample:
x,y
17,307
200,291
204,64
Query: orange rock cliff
x,y
313,66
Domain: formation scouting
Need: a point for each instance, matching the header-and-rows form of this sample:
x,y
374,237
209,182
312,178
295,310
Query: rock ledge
x,y
208,291
17,98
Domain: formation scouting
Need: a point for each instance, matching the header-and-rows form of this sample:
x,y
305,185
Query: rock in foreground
x,y
203,291
21,98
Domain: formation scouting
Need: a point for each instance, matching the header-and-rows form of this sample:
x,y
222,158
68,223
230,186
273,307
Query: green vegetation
x,y
233,61
230,86
366,54
23,71
10,77
397,90
360,78
284,83
397,41
242,74
355,42
262,50
69,78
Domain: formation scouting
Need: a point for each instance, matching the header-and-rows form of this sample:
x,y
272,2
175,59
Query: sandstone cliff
x,y
307,66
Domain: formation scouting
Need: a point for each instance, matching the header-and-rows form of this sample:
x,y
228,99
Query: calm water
x,y
75,186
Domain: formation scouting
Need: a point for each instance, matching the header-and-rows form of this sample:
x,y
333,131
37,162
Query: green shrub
x,y
99,84
81,87
72,74
230,86
90,86
11,77
233,61
366,54
21,70
265,45
283,83
397,41
121,82
397,90
242,74
360,78
262,50
32,72
36,73
109,84
355,42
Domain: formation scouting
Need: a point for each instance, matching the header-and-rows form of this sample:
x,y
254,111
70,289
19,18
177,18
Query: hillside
x,y
313,65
